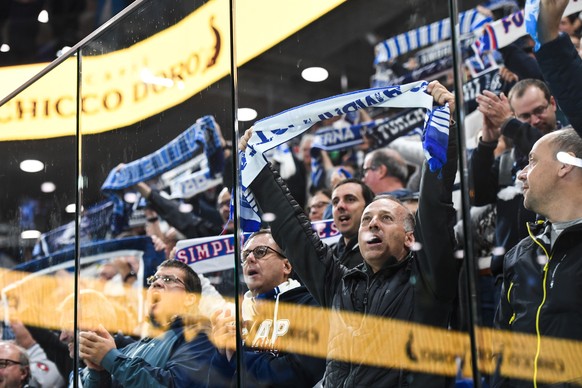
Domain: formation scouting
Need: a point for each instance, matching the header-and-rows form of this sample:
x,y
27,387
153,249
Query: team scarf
x,y
189,185
427,35
507,30
201,136
217,253
278,129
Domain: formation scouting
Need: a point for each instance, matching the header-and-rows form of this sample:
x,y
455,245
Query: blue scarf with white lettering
x,y
201,136
278,129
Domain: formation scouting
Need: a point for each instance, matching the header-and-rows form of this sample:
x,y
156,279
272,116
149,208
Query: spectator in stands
x,y
14,365
178,357
522,118
386,172
386,237
272,292
561,67
539,273
348,199
317,204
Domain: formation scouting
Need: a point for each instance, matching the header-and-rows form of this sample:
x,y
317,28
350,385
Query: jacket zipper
x,y
539,310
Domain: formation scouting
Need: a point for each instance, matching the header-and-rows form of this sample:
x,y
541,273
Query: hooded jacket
x,y
389,292
265,365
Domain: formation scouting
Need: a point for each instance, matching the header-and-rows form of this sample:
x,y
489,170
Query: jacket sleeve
x,y
436,289
310,257
187,367
55,350
562,69
523,134
520,62
43,370
188,224
484,174
288,370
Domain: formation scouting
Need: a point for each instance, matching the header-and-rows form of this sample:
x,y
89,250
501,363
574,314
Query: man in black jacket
x,y
394,281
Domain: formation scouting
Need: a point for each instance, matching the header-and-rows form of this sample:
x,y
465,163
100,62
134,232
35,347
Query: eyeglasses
x,y
540,110
366,169
6,363
259,253
319,205
166,279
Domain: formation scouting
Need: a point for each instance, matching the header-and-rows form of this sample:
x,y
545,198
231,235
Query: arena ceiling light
x,y
31,165
30,234
315,74
246,114
43,16
48,187
4,48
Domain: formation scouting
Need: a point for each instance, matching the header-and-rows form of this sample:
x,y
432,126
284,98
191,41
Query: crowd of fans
x,y
395,256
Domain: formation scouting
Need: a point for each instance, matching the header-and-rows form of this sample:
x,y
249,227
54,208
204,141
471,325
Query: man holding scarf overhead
x,y
395,281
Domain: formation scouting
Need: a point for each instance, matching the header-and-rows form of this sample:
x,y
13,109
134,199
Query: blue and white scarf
x,y
278,129
202,135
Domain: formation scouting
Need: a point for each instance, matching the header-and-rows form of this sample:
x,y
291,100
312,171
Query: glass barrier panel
x,y
157,108
395,319
38,139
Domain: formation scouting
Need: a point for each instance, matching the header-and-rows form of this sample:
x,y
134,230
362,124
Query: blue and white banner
x,y
272,131
95,224
202,136
211,254
507,30
427,35
386,130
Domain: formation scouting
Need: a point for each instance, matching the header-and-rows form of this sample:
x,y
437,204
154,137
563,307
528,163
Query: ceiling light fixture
x,y
48,187
4,48
43,16
31,165
314,74
30,234
246,114
71,208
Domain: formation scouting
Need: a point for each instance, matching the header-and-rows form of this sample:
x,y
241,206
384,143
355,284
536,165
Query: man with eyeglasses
x,y
177,357
265,309
397,280
515,122
14,366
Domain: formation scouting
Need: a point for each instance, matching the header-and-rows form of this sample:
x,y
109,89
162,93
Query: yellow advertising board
x,y
123,87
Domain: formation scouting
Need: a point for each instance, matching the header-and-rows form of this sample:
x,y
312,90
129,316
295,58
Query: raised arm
x,y
560,62
437,267
312,260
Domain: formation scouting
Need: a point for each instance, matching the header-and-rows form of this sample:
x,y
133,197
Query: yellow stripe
x,y
539,310
375,341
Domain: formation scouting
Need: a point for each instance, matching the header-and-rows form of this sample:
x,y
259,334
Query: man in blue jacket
x,y
266,315
179,357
